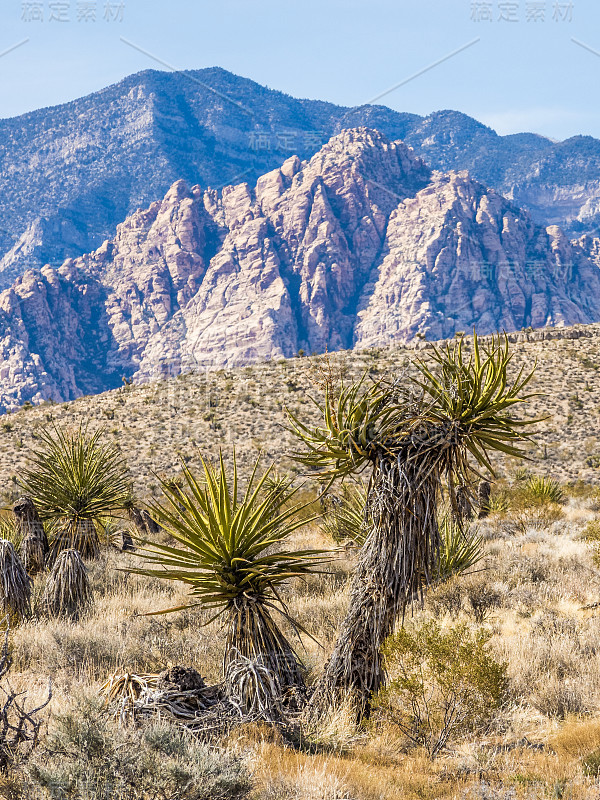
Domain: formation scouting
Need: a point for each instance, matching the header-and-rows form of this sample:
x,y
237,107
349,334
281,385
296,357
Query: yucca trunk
x,y
68,590
252,635
34,543
77,534
15,584
397,559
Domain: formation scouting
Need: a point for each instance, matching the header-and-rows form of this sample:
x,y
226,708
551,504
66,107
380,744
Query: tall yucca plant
x,y
75,480
231,556
416,437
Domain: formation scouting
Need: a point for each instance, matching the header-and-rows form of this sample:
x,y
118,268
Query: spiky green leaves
x,y
73,476
356,422
230,542
474,394
460,550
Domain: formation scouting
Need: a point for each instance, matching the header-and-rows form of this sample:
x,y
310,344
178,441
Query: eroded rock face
x,y
458,256
361,245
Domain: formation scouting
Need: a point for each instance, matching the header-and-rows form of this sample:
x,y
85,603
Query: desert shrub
x,y
536,518
558,697
553,664
447,598
89,757
591,531
444,684
481,598
591,534
591,764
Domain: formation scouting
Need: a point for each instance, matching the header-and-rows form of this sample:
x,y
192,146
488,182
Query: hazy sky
x,y
523,73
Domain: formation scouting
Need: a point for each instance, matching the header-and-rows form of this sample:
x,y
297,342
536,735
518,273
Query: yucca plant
x,y
230,553
68,590
541,489
460,550
10,531
75,480
344,519
420,439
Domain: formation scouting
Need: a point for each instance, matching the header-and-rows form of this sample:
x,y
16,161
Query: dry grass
x,y
538,743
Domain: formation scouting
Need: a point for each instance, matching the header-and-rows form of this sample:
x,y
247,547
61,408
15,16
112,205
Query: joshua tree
x,y
229,555
432,434
67,591
34,542
75,481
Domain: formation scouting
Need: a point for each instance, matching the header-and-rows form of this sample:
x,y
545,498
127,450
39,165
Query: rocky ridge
x,y
360,246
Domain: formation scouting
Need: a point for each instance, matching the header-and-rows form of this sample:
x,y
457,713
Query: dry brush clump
x,y
19,726
87,754
67,591
15,584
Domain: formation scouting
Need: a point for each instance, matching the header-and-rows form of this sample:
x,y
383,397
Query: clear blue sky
x,y
520,75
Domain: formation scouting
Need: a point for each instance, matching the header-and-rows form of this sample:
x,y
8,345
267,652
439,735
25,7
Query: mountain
x,y
70,174
359,246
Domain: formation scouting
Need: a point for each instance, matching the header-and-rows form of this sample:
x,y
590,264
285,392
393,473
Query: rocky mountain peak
x,y
361,244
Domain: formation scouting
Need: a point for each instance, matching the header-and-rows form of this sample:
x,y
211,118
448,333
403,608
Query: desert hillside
x,y
161,422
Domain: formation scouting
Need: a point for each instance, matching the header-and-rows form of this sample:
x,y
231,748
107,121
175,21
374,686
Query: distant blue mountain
x,y
69,174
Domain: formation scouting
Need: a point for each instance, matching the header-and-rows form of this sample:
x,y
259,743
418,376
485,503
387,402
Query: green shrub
x,y
543,490
444,684
88,756
591,532
591,764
